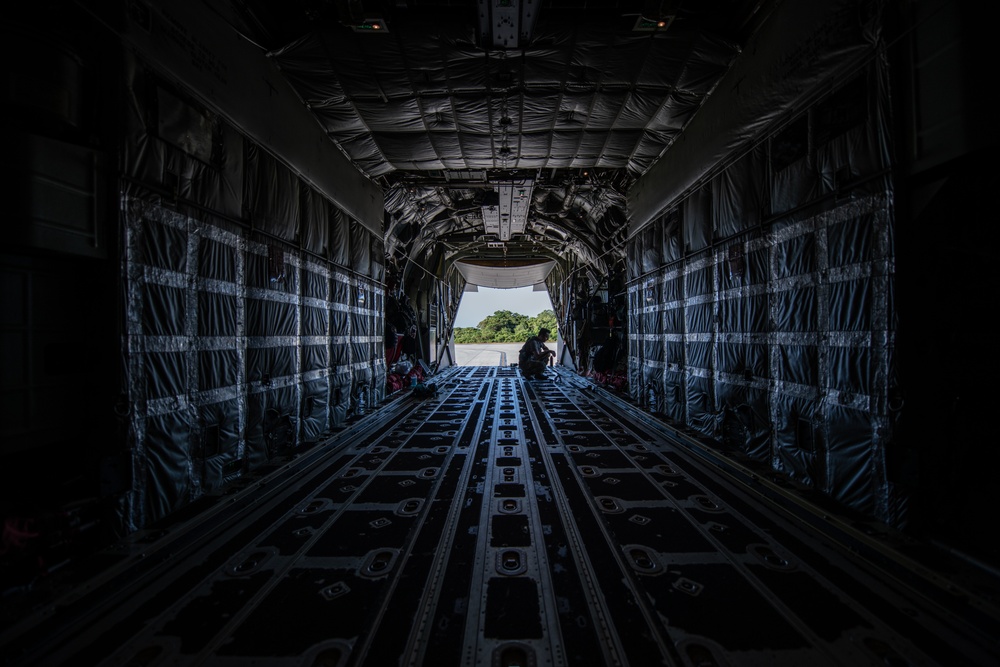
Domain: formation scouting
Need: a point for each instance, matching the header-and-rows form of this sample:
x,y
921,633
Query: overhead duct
x,y
505,212
506,24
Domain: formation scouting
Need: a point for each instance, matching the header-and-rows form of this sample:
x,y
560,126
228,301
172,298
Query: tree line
x,y
503,326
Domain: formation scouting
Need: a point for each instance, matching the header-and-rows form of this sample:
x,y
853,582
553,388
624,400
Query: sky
x,y
476,306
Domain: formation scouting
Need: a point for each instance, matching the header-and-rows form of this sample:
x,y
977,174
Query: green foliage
x,y
503,326
547,319
468,335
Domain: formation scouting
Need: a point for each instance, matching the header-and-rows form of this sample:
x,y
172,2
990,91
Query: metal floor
x,y
506,522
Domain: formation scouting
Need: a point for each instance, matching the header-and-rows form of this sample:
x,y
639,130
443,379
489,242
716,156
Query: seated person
x,y
534,356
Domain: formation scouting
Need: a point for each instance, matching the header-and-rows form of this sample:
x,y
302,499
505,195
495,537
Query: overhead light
x,y
370,25
643,24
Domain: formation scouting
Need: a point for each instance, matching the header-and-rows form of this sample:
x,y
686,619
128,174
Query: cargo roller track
x,y
505,522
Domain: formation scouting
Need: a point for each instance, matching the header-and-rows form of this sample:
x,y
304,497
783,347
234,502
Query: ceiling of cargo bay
x,y
502,130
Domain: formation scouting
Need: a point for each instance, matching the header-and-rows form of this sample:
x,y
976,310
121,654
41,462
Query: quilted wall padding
x,y
776,322
254,313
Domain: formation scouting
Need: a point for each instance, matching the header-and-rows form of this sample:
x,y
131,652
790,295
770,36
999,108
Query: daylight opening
x,y
492,324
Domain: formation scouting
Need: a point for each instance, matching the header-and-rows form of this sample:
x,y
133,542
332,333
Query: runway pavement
x,y
486,354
